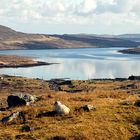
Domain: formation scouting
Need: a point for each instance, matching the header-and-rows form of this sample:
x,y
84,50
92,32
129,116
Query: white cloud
x,y
85,12
107,2
87,6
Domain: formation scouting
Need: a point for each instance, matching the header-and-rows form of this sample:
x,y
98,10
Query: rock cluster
x,y
27,99
20,100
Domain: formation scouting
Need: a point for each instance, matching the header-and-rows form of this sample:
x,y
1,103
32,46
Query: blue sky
x,y
71,16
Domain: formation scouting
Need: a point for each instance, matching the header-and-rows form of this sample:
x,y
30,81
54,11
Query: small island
x,y
131,51
13,61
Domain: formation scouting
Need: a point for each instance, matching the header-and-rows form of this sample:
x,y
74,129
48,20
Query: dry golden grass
x,y
115,116
15,60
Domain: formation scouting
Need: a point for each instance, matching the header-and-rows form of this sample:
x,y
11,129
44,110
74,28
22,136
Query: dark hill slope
x,y
10,39
133,37
100,41
6,32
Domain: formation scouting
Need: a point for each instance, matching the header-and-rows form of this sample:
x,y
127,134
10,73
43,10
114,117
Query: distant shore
x,y
130,51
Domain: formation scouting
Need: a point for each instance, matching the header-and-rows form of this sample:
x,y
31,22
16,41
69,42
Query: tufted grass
x,y
115,116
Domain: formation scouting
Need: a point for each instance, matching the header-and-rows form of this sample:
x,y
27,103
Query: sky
x,y
71,16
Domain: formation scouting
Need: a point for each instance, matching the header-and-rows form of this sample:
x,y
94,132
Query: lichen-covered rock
x,y
29,98
10,117
86,108
61,108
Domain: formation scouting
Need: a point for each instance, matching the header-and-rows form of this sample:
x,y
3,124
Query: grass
x,y
112,119
15,60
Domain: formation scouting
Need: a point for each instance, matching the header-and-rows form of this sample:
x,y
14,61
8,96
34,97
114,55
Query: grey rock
x,y
20,100
29,98
54,86
87,107
10,117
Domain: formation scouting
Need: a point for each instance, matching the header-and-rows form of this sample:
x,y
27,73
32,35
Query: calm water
x,y
77,63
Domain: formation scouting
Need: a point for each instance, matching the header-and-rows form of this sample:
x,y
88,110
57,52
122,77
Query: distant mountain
x,y
11,39
132,37
7,33
100,40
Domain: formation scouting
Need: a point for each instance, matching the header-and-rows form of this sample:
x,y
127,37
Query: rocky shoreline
x,y
13,61
39,63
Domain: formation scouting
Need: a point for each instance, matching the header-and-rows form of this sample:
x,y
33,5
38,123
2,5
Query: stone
x,y
54,86
87,107
132,86
20,100
14,101
26,128
137,103
61,109
10,117
29,98
126,103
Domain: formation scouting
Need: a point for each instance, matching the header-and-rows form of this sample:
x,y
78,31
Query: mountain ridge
x,y
11,39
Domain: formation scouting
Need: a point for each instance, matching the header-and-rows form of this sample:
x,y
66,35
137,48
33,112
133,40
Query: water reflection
x,y
77,64
78,69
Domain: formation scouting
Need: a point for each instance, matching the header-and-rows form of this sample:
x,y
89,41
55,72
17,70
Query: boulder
x,y
61,109
26,128
54,86
29,98
14,101
10,117
20,100
86,108
137,103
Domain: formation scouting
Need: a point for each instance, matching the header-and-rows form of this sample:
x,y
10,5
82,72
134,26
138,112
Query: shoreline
x,y
39,63
131,77
14,61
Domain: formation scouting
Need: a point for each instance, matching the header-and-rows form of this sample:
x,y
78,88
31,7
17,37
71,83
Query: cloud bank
x,y
97,13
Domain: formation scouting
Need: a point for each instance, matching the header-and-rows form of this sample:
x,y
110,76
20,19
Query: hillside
x,y
10,39
133,37
100,41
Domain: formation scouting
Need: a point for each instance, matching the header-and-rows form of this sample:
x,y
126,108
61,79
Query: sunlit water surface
x,y
79,64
